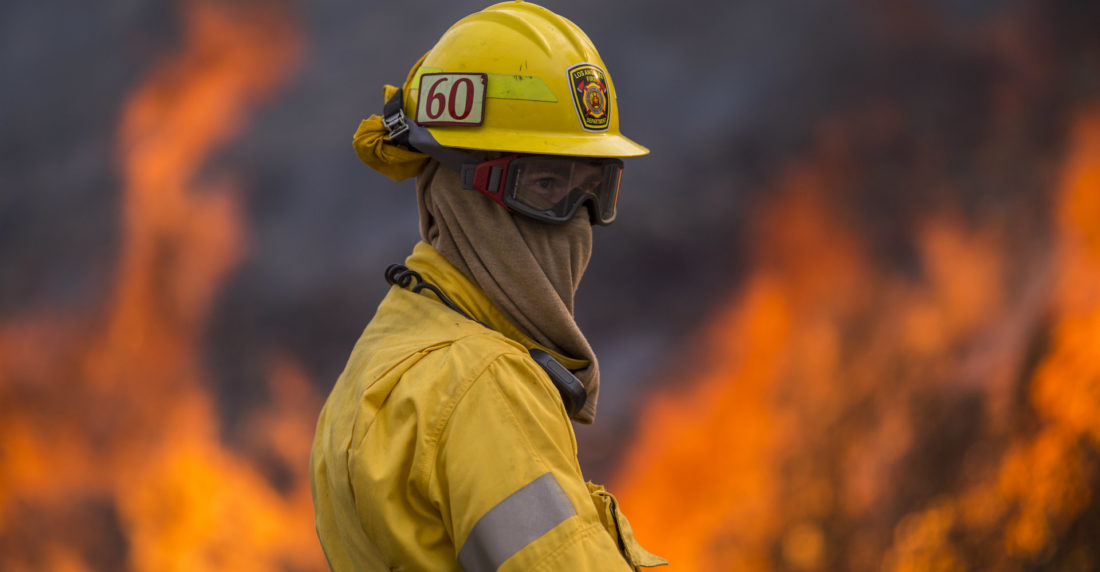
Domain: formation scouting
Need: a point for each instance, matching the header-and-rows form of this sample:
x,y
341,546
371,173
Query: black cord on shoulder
x,y
401,275
569,387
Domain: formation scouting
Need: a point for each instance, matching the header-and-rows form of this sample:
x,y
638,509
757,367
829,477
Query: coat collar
x,y
468,296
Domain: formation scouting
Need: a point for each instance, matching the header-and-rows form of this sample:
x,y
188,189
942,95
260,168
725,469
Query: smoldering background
x,y
883,119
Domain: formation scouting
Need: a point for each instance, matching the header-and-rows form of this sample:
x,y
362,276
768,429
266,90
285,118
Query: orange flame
x,y
111,447
1042,482
821,426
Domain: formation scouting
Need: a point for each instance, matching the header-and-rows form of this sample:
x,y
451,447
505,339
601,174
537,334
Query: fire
x,y
1045,481
840,414
112,453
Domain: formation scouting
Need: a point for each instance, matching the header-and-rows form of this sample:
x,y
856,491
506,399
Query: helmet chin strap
x,y
405,131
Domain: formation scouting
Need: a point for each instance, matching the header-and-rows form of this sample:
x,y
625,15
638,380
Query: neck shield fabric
x,y
528,270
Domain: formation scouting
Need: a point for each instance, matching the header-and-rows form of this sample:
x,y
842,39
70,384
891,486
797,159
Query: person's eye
x,y
546,183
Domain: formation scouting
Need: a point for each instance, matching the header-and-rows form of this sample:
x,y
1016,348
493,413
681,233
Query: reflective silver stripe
x,y
514,523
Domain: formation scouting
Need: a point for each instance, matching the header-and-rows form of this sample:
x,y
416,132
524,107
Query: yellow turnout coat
x,y
444,446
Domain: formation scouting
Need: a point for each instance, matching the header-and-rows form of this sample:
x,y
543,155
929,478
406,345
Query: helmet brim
x,y
515,141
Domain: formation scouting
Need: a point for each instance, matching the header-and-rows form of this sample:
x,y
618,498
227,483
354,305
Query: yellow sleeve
x,y
507,482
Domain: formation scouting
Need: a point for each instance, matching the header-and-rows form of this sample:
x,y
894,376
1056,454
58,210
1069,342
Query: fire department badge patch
x,y
589,88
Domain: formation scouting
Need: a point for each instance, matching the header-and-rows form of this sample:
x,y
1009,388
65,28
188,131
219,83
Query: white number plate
x,y
451,99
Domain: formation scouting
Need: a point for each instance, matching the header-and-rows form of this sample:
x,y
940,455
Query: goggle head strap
x,y
404,131
486,177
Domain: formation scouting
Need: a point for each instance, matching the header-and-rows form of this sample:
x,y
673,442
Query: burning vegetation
x,y
914,392
843,416
112,454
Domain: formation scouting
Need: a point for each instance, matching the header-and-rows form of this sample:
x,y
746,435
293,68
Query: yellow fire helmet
x,y
518,78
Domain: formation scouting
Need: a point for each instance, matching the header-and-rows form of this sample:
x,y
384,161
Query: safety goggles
x,y
549,188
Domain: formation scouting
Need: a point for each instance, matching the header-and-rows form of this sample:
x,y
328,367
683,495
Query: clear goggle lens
x,y
552,188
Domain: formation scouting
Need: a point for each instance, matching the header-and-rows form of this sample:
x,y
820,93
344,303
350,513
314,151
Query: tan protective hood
x,y
528,270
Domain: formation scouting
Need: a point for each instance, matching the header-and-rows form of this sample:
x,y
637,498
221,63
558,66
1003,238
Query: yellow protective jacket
x,y
444,446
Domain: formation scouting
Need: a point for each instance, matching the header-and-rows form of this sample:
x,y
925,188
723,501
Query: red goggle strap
x,y
488,178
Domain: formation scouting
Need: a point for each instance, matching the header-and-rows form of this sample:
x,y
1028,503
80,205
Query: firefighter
x,y
446,443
